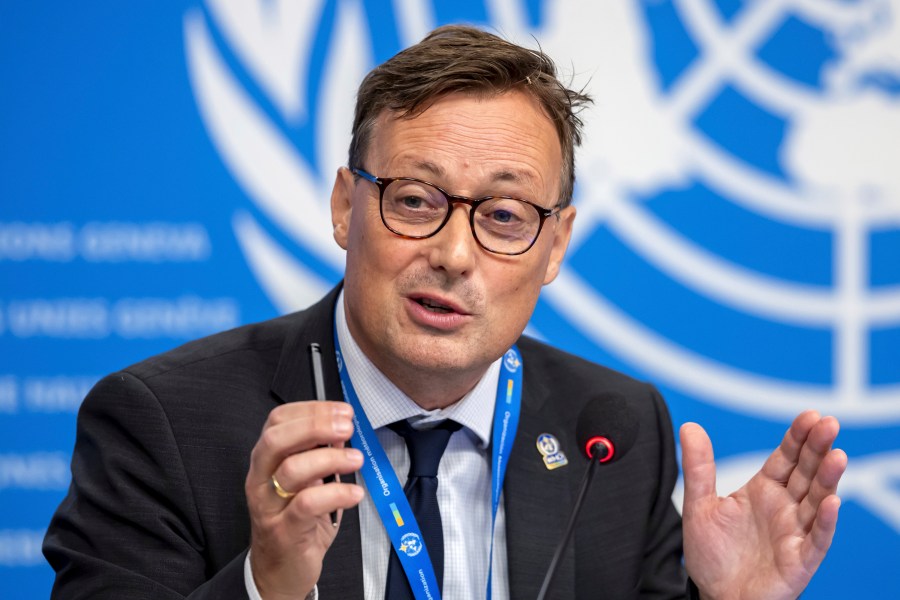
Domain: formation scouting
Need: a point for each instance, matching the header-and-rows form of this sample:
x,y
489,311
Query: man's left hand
x,y
766,540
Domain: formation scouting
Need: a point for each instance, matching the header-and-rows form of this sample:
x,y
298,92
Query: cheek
x,y
358,234
521,293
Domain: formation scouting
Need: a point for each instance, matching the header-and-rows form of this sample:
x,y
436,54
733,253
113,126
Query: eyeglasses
x,y
416,209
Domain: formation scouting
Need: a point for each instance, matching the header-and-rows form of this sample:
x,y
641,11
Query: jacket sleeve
x,y
129,526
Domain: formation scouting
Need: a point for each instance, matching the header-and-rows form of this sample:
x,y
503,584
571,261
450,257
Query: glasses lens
x,y
507,226
416,209
413,208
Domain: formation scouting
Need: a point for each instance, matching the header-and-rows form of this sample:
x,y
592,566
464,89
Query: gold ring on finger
x,y
281,491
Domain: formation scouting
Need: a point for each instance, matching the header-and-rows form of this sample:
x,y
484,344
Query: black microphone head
x,y
608,416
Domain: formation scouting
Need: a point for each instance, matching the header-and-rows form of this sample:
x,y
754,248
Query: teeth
x,y
433,306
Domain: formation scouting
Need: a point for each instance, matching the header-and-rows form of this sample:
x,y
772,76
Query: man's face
x,y
444,306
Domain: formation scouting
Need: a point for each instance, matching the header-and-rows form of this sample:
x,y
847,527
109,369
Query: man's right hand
x,y
289,536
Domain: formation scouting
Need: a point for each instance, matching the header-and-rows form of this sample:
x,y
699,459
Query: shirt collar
x,y
384,403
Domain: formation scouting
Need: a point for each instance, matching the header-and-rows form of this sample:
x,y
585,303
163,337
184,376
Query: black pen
x,y
315,358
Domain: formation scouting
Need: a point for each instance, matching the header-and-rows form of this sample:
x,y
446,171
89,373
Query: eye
x,y
502,216
503,212
413,201
410,201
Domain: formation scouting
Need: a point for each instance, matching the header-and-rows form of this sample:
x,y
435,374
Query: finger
x,y
820,536
320,501
295,429
698,465
818,444
783,459
293,410
824,485
304,469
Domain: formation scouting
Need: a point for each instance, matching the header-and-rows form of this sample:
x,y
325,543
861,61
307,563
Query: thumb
x,y
698,465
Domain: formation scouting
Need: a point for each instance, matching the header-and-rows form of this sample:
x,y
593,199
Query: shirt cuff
x,y
250,584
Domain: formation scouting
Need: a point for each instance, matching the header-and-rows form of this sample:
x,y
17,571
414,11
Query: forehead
x,y
473,144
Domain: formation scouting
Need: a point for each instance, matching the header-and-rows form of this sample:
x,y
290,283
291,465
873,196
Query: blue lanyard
x,y
387,493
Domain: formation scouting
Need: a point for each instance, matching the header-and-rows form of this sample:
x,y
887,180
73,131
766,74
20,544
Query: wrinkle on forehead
x,y
500,175
463,136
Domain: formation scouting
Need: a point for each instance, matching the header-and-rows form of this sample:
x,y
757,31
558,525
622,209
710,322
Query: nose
x,y
453,249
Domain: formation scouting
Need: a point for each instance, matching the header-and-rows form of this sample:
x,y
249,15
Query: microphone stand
x,y
598,452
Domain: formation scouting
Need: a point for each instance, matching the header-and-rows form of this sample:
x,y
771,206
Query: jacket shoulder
x,y
263,339
569,369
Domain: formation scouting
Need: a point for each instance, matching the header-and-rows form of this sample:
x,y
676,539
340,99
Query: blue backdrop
x,y
165,171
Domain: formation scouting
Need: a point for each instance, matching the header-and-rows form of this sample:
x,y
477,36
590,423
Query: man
x,y
205,473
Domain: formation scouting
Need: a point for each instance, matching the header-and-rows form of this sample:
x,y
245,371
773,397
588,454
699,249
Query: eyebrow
x,y
512,176
438,171
433,169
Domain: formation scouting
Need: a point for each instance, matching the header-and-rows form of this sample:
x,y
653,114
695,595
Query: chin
x,y
439,355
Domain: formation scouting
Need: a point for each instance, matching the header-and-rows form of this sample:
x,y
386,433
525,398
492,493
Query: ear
x,y
562,233
342,205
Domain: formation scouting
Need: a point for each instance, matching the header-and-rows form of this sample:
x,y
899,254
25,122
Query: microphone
x,y
606,430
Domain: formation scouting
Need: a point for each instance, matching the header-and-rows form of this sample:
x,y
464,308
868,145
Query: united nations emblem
x,y
512,362
410,544
548,446
672,200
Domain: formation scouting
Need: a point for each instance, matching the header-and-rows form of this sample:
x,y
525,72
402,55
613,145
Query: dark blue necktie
x,y
425,450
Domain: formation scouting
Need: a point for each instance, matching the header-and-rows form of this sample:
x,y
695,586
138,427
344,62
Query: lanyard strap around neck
x,y
387,493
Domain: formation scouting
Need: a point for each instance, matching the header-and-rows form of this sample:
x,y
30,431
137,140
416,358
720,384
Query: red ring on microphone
x,y
599,439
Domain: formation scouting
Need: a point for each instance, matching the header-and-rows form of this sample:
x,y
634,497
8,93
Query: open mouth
x,y
433,306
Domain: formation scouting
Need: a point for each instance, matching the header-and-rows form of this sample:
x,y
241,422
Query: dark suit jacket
x,y
156,508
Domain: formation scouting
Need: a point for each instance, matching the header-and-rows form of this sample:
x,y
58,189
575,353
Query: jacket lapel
x,y
293,377
538,500
342,567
